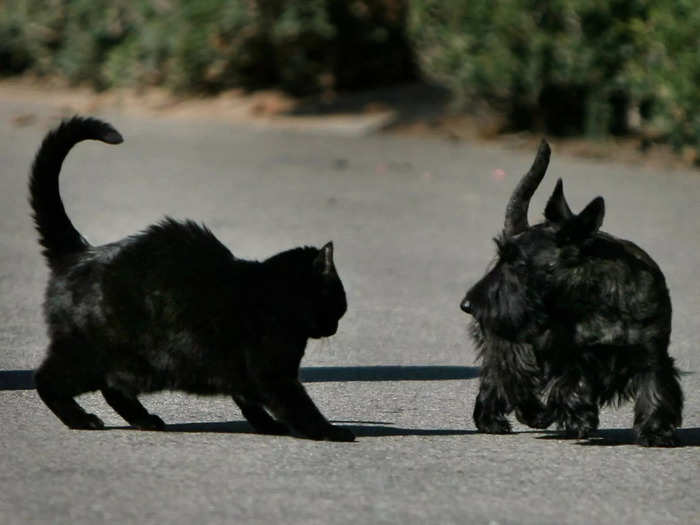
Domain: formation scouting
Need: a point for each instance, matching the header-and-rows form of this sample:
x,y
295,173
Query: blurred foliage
x,y
567,61
672,67
302,46
565,66
568,66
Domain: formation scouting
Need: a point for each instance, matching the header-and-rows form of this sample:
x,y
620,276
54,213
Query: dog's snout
x,y
466,306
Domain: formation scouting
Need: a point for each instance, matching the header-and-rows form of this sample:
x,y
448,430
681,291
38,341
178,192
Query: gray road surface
x,y
412,223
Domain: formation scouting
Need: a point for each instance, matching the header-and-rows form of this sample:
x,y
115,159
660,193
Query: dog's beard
x,y
476,333
514,363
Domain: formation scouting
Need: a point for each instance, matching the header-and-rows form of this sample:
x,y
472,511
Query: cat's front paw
x,y
270,427
150,422
335,433
87,422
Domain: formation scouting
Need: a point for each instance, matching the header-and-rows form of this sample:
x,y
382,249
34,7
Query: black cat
x,y
172,309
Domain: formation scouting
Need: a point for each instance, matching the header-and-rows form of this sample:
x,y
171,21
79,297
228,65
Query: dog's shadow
x,y
615,437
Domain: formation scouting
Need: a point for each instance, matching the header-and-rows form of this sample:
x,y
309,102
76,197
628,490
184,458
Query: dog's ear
x,y
557,209
584,224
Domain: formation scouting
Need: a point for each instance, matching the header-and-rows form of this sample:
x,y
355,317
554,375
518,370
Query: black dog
x,y
571,318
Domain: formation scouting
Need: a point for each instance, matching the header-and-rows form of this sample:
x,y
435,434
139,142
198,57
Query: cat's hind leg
x,y
258,417
132,410
57,382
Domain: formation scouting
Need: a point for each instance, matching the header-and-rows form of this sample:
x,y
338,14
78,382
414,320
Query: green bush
x,y
302,46
30,33
673,64
568,66
564,61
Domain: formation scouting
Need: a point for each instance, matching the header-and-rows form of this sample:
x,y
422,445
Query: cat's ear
x,y
324,259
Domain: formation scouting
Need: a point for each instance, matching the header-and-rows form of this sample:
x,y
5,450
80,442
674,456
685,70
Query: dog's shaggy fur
x,y
171,308
568,319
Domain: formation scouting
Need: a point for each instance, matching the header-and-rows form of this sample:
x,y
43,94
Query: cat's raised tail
x,y
57,234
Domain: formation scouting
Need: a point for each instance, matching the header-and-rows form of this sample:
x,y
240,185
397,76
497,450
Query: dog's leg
x,y
490,407
57,383
132,410
573,404
659,406
259,418
533,413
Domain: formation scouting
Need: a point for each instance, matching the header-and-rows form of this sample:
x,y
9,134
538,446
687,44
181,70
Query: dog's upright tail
x,y
516,211
57,234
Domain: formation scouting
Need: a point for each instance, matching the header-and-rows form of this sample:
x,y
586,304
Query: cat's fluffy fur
x,y
172,308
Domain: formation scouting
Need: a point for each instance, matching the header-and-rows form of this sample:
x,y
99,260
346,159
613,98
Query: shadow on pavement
x,y
381,431
16,379
365,429
24,380
387,373
613,437
416,102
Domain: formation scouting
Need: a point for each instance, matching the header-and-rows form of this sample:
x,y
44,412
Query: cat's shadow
x,y
24,379
359,428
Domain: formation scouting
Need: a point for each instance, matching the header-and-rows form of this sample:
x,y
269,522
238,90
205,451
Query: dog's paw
x,y
580,423
665,439
576,431
494,426
541,419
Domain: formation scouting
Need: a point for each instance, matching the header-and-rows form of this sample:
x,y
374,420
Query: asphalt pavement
x,y
412,221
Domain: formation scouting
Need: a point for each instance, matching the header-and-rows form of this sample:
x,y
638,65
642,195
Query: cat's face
x,y
307,291
327,295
